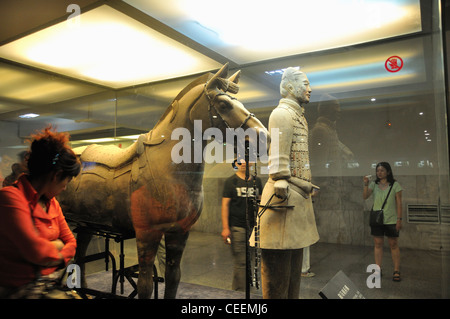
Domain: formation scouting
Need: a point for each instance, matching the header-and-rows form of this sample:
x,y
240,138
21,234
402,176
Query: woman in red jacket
x,y
34,236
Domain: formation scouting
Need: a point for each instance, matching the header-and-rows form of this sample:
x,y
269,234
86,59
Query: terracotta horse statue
x,y
141,189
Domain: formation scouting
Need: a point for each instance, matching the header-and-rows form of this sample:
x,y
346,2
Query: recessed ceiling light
x,y
279,71
28,116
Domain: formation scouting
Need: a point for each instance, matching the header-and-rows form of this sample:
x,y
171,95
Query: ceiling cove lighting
x,y
117,139
257,30
109,48
96,140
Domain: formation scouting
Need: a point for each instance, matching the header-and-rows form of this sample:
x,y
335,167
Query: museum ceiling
x,y
90,66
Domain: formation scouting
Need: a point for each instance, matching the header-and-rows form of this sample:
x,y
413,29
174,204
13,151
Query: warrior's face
x,y
301,89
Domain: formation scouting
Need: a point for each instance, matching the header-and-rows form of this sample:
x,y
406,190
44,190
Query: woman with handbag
x,y
35,239
388,205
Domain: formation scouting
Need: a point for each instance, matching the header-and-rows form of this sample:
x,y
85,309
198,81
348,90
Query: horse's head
x,y
218,109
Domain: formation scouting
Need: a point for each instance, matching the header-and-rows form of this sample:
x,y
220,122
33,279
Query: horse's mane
x,y
200,80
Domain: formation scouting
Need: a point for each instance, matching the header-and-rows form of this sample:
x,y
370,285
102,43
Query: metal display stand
x,y
118,275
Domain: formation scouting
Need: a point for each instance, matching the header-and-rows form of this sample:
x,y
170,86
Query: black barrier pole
x,y
247,235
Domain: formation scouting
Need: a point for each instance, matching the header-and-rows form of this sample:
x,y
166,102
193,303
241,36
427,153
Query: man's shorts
x,y
384,230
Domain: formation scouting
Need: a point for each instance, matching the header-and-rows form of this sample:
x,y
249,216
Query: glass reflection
x,y
398,117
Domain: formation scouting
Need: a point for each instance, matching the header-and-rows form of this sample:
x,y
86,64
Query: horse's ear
x,y
222,73
232,84
235,77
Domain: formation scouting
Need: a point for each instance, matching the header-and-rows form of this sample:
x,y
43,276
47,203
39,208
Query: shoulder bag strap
x,y
390,188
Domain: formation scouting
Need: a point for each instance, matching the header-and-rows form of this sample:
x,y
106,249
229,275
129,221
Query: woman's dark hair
x,y
390,176
50,151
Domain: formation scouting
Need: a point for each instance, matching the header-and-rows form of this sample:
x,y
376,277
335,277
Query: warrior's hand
x,y
281,188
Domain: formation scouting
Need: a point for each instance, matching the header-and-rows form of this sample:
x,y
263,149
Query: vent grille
x,y
445,214
424,214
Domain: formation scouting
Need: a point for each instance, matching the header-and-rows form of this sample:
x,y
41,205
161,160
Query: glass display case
x,y
378,73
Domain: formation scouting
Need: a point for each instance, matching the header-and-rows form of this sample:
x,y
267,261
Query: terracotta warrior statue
x,y
287,224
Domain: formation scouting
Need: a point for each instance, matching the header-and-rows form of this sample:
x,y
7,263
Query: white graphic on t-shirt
x,y
242,191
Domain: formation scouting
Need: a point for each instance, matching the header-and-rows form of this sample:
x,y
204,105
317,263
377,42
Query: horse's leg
x,y
175,244
147,246
83,241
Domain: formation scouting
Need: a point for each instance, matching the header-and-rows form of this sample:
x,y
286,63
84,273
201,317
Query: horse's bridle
x,y
211,104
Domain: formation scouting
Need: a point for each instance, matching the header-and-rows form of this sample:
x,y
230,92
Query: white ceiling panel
x,y
256,30
107,47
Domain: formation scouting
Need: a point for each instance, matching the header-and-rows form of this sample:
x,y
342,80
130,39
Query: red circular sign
x,y
394,64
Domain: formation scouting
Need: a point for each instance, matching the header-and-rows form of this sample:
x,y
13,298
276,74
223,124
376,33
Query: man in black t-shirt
x,y
234,220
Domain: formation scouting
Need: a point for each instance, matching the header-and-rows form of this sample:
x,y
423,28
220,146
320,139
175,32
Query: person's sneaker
x,y
308,274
